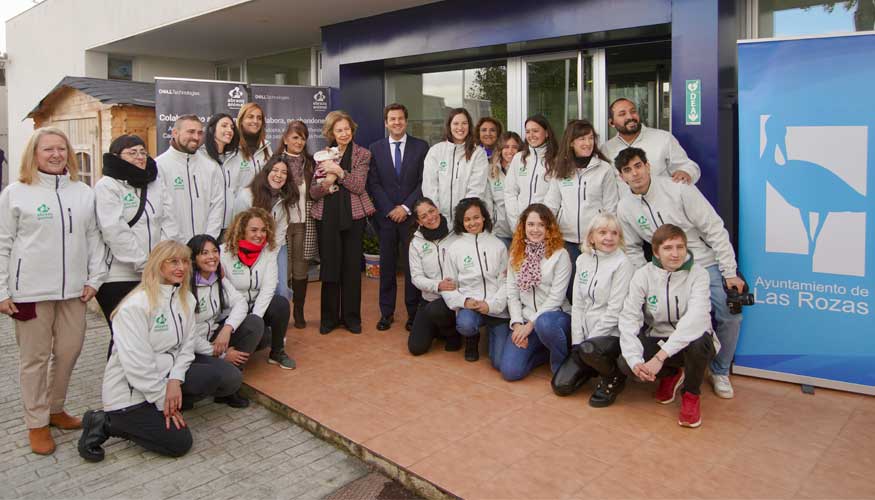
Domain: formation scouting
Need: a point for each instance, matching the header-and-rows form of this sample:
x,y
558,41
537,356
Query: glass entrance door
x,y
642,74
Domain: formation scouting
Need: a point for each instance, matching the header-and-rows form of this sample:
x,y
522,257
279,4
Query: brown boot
x,y
299,294
41,441
64,421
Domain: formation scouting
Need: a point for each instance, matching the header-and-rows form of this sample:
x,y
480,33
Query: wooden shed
x,y
92,111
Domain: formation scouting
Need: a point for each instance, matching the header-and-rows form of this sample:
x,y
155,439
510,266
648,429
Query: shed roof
x,y
105,91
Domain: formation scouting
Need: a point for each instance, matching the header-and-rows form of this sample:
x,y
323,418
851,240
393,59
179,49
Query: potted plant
x,y
371,249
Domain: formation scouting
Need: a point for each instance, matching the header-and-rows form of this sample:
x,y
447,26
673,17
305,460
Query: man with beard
x,y
195,185
666,155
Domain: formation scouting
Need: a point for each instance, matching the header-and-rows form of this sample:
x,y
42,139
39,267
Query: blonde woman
x,y
51,264
508,145
600,287
153,371
253,151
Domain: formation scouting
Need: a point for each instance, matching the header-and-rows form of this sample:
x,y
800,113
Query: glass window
x,y
778,18
642,74
119,68
287,68
552,90
86,174
429,95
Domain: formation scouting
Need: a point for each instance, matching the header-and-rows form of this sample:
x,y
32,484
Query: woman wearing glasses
x,y
133,213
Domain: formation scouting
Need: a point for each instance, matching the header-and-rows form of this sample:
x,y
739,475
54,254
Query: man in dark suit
x,y
395,183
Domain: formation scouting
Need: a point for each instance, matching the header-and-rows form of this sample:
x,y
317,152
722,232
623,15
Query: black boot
x,y
472,348
607,391
571,375
233,400
299,294
95,431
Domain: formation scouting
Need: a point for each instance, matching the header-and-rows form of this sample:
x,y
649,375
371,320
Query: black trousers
x,y
394,249
247,336
108,297
342,301
276,317
433,319
694,359
208,376
144,424
600,354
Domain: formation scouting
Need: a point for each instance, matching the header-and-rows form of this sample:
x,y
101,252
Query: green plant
x,y
370,242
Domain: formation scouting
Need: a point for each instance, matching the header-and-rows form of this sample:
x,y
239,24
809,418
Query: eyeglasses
x,y
177,262
133,153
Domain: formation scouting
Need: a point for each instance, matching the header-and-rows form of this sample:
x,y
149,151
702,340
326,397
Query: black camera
x,y
735,300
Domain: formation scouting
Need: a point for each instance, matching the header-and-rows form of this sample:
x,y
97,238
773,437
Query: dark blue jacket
x,y
384,186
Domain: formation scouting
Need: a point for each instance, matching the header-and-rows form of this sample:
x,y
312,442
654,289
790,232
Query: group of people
x,y
541,241
545,243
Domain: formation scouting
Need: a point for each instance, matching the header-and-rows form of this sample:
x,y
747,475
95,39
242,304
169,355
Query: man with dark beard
x,y
666,155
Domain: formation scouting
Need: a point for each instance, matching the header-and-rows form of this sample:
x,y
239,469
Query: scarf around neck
x,y
118,168
530,270
437,233
248,252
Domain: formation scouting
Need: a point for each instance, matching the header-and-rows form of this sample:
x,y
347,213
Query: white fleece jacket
x,y
600,289
448,177
478,265
526,305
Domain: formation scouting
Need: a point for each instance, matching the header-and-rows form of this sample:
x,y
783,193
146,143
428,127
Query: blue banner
x,y
806,163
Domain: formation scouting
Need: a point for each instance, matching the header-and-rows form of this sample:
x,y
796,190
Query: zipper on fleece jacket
x,y
175,324
667,301
452,175
592,282
534,178
17,273
63,239
482,274
190,198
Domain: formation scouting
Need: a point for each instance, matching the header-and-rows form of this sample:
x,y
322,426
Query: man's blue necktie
x,y
397,158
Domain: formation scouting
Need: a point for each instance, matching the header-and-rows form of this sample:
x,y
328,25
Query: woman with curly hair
x,y
508,145
248,257
537,277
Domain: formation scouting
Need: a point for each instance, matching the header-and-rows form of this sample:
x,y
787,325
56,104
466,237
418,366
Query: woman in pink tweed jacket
x,y
341,215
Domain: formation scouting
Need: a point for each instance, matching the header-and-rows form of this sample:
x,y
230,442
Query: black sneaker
x,y
607,391
472,348
454,343
95,432
282,359
233,400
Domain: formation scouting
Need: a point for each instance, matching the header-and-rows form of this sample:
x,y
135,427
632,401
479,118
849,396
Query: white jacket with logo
x,y
478,265
549,295
447,177
669,202
675,306
427,263
127,248
241,171
150,347
258,283
664,152
196,191
600,289
576,200
229,191
495,202
209,313
526,183
280,218
50,245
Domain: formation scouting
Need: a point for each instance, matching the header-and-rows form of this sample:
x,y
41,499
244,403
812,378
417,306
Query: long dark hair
x,y
469,139
565,165
416,226
263,195
462,207
300,128
552,145
210,137
197,244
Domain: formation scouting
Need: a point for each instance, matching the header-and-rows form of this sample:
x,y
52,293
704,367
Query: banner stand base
x,y
804,380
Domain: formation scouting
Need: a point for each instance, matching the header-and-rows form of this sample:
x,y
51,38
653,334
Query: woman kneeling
x,y
153,366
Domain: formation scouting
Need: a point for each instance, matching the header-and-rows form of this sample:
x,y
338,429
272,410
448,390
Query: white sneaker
x,y
722,386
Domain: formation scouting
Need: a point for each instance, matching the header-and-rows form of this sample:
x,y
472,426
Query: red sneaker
x,y
691,414
668,387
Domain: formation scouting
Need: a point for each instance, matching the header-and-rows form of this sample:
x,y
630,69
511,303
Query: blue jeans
x,y
282,262
573,252
728,324
549,340
468,324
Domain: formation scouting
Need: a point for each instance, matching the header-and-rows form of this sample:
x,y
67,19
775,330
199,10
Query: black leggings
x,y
276,317
247,336
108,297
432,320
145,425
693,358
208,376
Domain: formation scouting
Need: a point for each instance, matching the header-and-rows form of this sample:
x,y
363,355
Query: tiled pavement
x,y
249,453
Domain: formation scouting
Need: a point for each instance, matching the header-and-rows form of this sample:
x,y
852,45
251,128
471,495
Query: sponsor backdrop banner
x,y
175,97
806,165
284,103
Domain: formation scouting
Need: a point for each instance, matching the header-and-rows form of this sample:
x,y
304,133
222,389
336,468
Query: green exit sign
x,y
694,102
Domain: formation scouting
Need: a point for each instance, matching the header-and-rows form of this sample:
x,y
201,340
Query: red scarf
x,y
248,252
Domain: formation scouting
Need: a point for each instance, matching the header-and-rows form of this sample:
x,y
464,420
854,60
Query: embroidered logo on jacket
x,y
43,212
426,247
468,262
443,166
237,268
652,303
178,183
130,201
160,323
584,277
643,224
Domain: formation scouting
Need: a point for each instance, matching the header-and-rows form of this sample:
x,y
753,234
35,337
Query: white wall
x,y
146,68
50,41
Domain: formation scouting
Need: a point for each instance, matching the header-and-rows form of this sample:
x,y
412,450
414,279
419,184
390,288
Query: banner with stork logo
x,y
806,119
